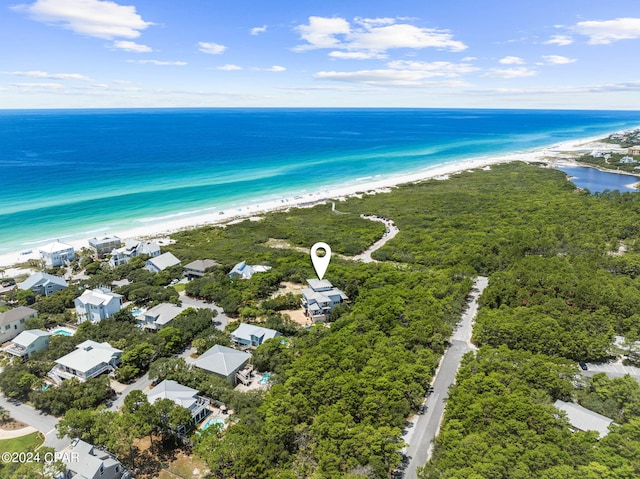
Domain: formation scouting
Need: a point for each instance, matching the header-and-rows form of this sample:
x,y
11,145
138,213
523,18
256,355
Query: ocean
x,y
73,174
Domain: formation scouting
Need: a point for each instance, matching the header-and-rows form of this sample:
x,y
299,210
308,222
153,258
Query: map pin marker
x,y
320,263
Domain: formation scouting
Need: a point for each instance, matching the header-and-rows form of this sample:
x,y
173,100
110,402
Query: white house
x,y
43,283
96,305
244,271
223,361
12,322
104,245
28,342
251,335
183,396
57,254
85,461
160,315
162,262
320,298
90,359
131,249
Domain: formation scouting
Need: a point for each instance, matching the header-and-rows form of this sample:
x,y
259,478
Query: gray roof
x,y
163,313
88,355
319,284
16,314
245,331
222,360
41,279
164,261
181,395
102,240
87,459
56,247
97,297
200,264
25,338
246,271
584,419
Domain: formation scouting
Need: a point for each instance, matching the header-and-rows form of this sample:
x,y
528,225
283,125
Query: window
x,y
22,321
8,326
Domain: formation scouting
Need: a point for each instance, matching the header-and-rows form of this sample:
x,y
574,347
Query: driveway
x,y
42,422
425,427
220,320
142,383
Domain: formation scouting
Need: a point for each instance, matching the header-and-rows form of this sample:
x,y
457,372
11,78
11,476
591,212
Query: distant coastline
x,y
554,155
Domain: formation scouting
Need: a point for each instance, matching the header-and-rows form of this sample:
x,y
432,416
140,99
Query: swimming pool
x,y
136,312
265,378
214,420
62,332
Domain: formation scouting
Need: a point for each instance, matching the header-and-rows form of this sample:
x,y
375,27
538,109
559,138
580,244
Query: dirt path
x,y
391,231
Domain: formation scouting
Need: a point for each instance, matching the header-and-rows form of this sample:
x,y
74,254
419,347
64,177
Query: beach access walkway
x,y
391,231
425,427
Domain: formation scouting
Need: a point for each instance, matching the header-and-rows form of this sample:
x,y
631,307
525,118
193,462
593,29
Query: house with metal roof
x,y
85,461
583,419
57,254
223,361
43,283
131,249
104,245
197,268
183,396
160,315
90,359
252,336
12,322
28,342
320,298
244,271
96,305
162,262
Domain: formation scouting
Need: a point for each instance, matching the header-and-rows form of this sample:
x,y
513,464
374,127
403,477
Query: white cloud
x,y
258,30
158,62
274,68
321,32
130,46
469,59
372,36
516,72
93,18
509,60
560,40
558,59
356,55
53,76
433,69
229,67
609,31
211,48
38,86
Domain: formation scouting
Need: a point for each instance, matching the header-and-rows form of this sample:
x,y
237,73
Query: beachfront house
x,y
183,396
627,160
104,245
320,298
12,322
634,150
96,305
88,360
197,268
224,362
85,461
28,342
252,336
43,283
159,316
131,249
244,271
583,419
57,254
162,262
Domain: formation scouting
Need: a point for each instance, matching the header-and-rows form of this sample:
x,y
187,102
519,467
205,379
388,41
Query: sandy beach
x,y
555,154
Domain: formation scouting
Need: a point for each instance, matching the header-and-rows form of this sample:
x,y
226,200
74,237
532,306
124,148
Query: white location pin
x,y
320,263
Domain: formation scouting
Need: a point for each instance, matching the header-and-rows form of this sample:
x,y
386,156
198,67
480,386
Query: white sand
x,y
382,185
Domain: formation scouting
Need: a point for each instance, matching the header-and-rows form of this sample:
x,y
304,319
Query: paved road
x,y
42,422
612,370
392,230
220,320
426,427
142,383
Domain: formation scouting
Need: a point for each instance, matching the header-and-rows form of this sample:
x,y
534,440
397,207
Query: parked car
x,y
583,365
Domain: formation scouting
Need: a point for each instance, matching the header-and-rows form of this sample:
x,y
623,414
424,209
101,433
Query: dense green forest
x,y
559,290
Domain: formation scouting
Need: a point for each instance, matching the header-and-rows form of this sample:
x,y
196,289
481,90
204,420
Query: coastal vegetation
x,y
564,278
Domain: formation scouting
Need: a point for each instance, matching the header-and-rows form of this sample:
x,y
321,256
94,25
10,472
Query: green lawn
x,y
22,444
4,308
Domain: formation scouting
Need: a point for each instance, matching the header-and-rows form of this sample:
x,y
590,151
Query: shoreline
x,y
254,210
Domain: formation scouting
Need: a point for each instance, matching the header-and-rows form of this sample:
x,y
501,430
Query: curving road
x,y
425,427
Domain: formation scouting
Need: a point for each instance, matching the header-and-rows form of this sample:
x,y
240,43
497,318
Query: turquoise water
x,y
73,174
62,332
265,378
210,422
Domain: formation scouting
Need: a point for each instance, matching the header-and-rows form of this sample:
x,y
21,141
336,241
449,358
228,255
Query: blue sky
x,y
375,53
